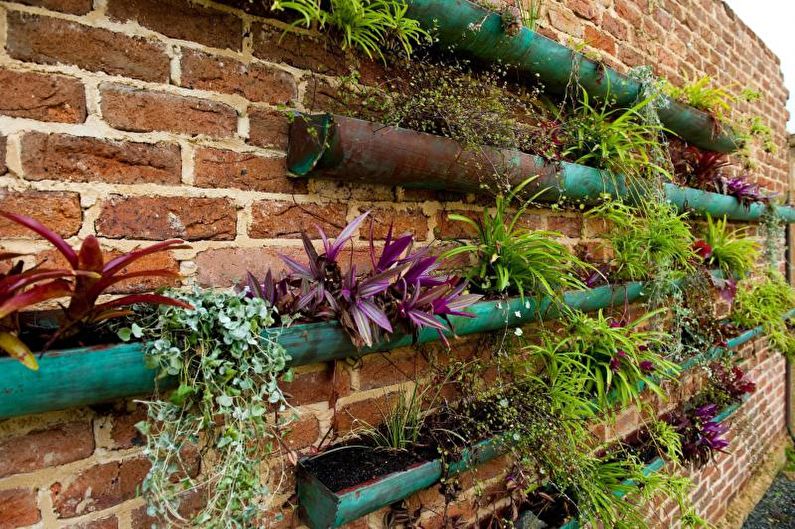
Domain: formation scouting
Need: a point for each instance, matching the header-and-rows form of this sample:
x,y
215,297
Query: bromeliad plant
x,y
510,259
400,293
87,278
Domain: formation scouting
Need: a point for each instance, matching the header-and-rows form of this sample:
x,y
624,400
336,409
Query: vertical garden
x,y
383,263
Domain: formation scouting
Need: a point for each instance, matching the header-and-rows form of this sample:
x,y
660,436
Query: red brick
x,y
109,522
46,40
180,19
136,110
42,97
159,218
254,81
223,267
313,53
216,168
381,370
53,446
411,220
80,159
75,7
629,12
321,95
583,8
268,128
447,228
614,26
273,219
318,385
59,210
18,508
122,431
98,487
3,166
568,226
189,506
600,40
369,411
302,433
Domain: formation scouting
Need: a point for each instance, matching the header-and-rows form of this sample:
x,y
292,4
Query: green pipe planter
x,y
90,375
322,508
349,149
480,33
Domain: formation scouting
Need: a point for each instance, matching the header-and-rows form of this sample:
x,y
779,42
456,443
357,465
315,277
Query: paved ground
x,y
777,508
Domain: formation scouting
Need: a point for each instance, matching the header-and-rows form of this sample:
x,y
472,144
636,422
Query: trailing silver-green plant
x,y
772,228
228,367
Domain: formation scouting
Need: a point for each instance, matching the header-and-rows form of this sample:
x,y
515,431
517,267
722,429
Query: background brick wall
x,y
141,120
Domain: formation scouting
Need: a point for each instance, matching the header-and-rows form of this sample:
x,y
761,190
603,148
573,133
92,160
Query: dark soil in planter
x,y
551,507
39,327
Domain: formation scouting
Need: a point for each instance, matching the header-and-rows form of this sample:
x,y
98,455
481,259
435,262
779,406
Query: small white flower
x,y
499,305
527,304
517,331
517,314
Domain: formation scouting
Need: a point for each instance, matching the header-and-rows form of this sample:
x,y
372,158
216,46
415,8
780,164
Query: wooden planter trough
x,y
353,150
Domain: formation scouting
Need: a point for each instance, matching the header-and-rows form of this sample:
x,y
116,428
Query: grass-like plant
x,y
702,94
512,259
644,239
731,251
616,361
764,302
367,25
619,140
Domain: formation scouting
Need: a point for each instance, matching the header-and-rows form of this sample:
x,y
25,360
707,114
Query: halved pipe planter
x,y
479,32
351,150
90,375
323,508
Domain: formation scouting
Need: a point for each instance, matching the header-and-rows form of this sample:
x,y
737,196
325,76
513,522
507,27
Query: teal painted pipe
x,y
350,150
658,463
84,376
479,32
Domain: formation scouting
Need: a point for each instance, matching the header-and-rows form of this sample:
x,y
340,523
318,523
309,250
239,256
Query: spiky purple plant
x,y
744,191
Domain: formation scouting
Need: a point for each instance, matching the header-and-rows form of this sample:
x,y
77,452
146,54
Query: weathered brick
x,y
136,110
317,384
369,411
381,370
600,40
302,433
183,20
49,447
98,487
46,40
218,168
18,508
583,8
3,166
57,209
120,427
159,218
313,53
108,522
568,226
80,159
447,228
42,97
75,7
189,506
223,267
254,81
273,219
268,128
411,220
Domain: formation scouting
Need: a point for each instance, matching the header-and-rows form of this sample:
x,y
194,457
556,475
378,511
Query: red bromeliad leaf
x,y
12,345
114,265
55,239
37,294
15,282
133,299
5,256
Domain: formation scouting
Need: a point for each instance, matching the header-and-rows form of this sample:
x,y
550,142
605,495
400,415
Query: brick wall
x,y
141,120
